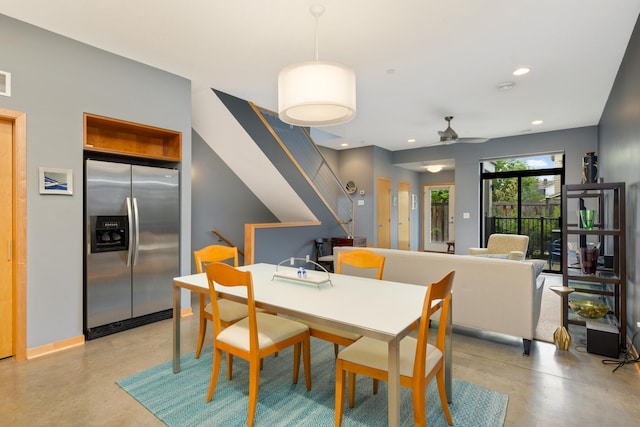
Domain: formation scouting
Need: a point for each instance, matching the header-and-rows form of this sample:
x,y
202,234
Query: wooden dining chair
x,y
230,311
358,259
256,336
362,259
419,360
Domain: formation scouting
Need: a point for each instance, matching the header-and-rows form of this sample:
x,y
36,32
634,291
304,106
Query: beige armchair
x,y
514,246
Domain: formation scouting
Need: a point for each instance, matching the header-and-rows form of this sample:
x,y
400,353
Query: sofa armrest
x,y
516,255
477,251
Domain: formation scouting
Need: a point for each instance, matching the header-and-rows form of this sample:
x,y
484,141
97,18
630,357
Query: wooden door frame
x,y
406,184
19,202
425,213
378,198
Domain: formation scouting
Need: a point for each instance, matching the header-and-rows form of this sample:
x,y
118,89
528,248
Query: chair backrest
x,y
361,258
215,253
506,243
226,275
440,290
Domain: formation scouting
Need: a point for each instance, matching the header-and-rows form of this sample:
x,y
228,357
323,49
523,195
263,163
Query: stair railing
x,y
304,153
222,238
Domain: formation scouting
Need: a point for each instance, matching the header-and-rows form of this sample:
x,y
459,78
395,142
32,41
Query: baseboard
x,y
186,312
54,347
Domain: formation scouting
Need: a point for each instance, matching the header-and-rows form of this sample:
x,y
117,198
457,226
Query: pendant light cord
x,y
317,10
317,24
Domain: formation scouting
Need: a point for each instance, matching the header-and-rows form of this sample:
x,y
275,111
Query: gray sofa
x,y
489,294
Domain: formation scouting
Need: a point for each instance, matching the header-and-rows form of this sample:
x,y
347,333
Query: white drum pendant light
x,y
316,93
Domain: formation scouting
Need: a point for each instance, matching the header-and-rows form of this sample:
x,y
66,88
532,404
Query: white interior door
x,y
439,217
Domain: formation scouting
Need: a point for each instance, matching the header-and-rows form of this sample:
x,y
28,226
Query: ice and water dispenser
x,y
109,233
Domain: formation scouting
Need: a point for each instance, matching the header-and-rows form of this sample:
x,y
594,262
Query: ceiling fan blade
x,y
434,143
472,140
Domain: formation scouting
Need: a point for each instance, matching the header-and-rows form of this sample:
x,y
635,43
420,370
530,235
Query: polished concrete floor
x,y
76,387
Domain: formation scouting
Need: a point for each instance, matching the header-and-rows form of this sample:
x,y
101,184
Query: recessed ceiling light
x,y
411,141
505,86
344,144
537,122
521,71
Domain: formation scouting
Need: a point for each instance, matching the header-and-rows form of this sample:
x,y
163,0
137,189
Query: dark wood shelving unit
x,y
608,284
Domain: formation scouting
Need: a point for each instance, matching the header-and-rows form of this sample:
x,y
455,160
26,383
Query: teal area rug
x,y
179,399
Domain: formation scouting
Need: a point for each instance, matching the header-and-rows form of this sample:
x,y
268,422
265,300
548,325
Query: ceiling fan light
x,y
434,168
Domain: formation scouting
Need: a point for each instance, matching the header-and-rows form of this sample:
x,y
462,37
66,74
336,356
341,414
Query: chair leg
x,y
306,357
215,370
419,409
229,366
254,381
336,349
201,334
339,393
375,386
352,389
296,362
442,392
203,328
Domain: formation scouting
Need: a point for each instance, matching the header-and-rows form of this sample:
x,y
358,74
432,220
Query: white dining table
x,y
378,309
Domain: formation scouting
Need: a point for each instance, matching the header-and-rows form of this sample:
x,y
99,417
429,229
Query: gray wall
x,y
364,166
220,200
619,160
357,165
56,80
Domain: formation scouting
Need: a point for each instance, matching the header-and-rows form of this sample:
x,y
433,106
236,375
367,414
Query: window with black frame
x,y
522,196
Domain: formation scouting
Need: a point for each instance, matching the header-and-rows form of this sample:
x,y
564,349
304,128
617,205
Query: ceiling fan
x,y
449,136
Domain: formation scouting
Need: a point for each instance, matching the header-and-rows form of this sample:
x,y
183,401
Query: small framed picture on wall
x,y
56,181
5,83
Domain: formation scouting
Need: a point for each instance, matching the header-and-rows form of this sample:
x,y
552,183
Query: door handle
x,y
130,219
137,235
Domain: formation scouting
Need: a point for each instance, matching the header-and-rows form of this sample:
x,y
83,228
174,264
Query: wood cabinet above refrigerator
x,y
107,135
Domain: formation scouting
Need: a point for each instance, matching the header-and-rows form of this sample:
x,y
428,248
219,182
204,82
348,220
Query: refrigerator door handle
x,y
130,219
137,233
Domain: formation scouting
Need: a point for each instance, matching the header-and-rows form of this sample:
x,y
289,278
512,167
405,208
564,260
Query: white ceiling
x,y
416,61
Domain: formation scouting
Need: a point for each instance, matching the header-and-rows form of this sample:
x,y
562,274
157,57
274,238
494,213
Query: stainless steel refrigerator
x,y
132,245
